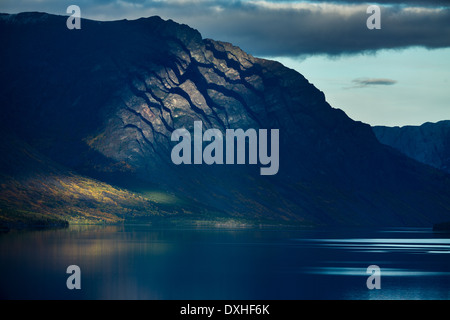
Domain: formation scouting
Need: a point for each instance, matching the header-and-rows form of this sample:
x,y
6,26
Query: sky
x,y
397,75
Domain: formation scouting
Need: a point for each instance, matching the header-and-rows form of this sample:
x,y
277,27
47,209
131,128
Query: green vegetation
x,y
26,219
68,197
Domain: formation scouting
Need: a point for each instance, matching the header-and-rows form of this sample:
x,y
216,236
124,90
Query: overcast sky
x,y
397,75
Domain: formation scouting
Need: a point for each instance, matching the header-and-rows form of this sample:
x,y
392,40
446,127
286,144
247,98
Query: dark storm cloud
x,y
288,28
332,30
433,3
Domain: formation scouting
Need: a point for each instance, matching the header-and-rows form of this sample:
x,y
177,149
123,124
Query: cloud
x,y
287,28
284,29
430,3
368,82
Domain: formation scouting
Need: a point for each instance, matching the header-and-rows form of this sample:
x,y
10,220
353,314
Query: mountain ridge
x,y
428,143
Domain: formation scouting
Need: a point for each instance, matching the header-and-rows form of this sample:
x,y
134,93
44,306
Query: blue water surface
x,y
190,263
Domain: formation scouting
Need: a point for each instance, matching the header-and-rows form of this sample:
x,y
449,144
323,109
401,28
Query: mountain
x,y
103,101
428,143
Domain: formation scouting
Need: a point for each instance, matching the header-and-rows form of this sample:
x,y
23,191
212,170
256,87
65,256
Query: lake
x,y
145,262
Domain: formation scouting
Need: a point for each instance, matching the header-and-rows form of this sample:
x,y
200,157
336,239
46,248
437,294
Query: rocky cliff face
x,y
428,143
104,100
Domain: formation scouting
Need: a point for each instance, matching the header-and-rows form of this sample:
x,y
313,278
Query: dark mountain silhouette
x,y
102,102
428,143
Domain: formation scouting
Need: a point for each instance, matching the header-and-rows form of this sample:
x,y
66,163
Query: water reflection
x,y
141,262
386,272
414,245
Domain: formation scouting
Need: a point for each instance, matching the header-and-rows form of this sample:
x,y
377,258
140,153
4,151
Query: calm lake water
x,y
141,262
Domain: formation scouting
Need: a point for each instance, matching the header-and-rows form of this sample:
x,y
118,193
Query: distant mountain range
x,y
86,121
428,143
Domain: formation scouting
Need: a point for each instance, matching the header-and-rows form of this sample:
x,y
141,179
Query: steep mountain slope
x,y
428,143
36,191
104,100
